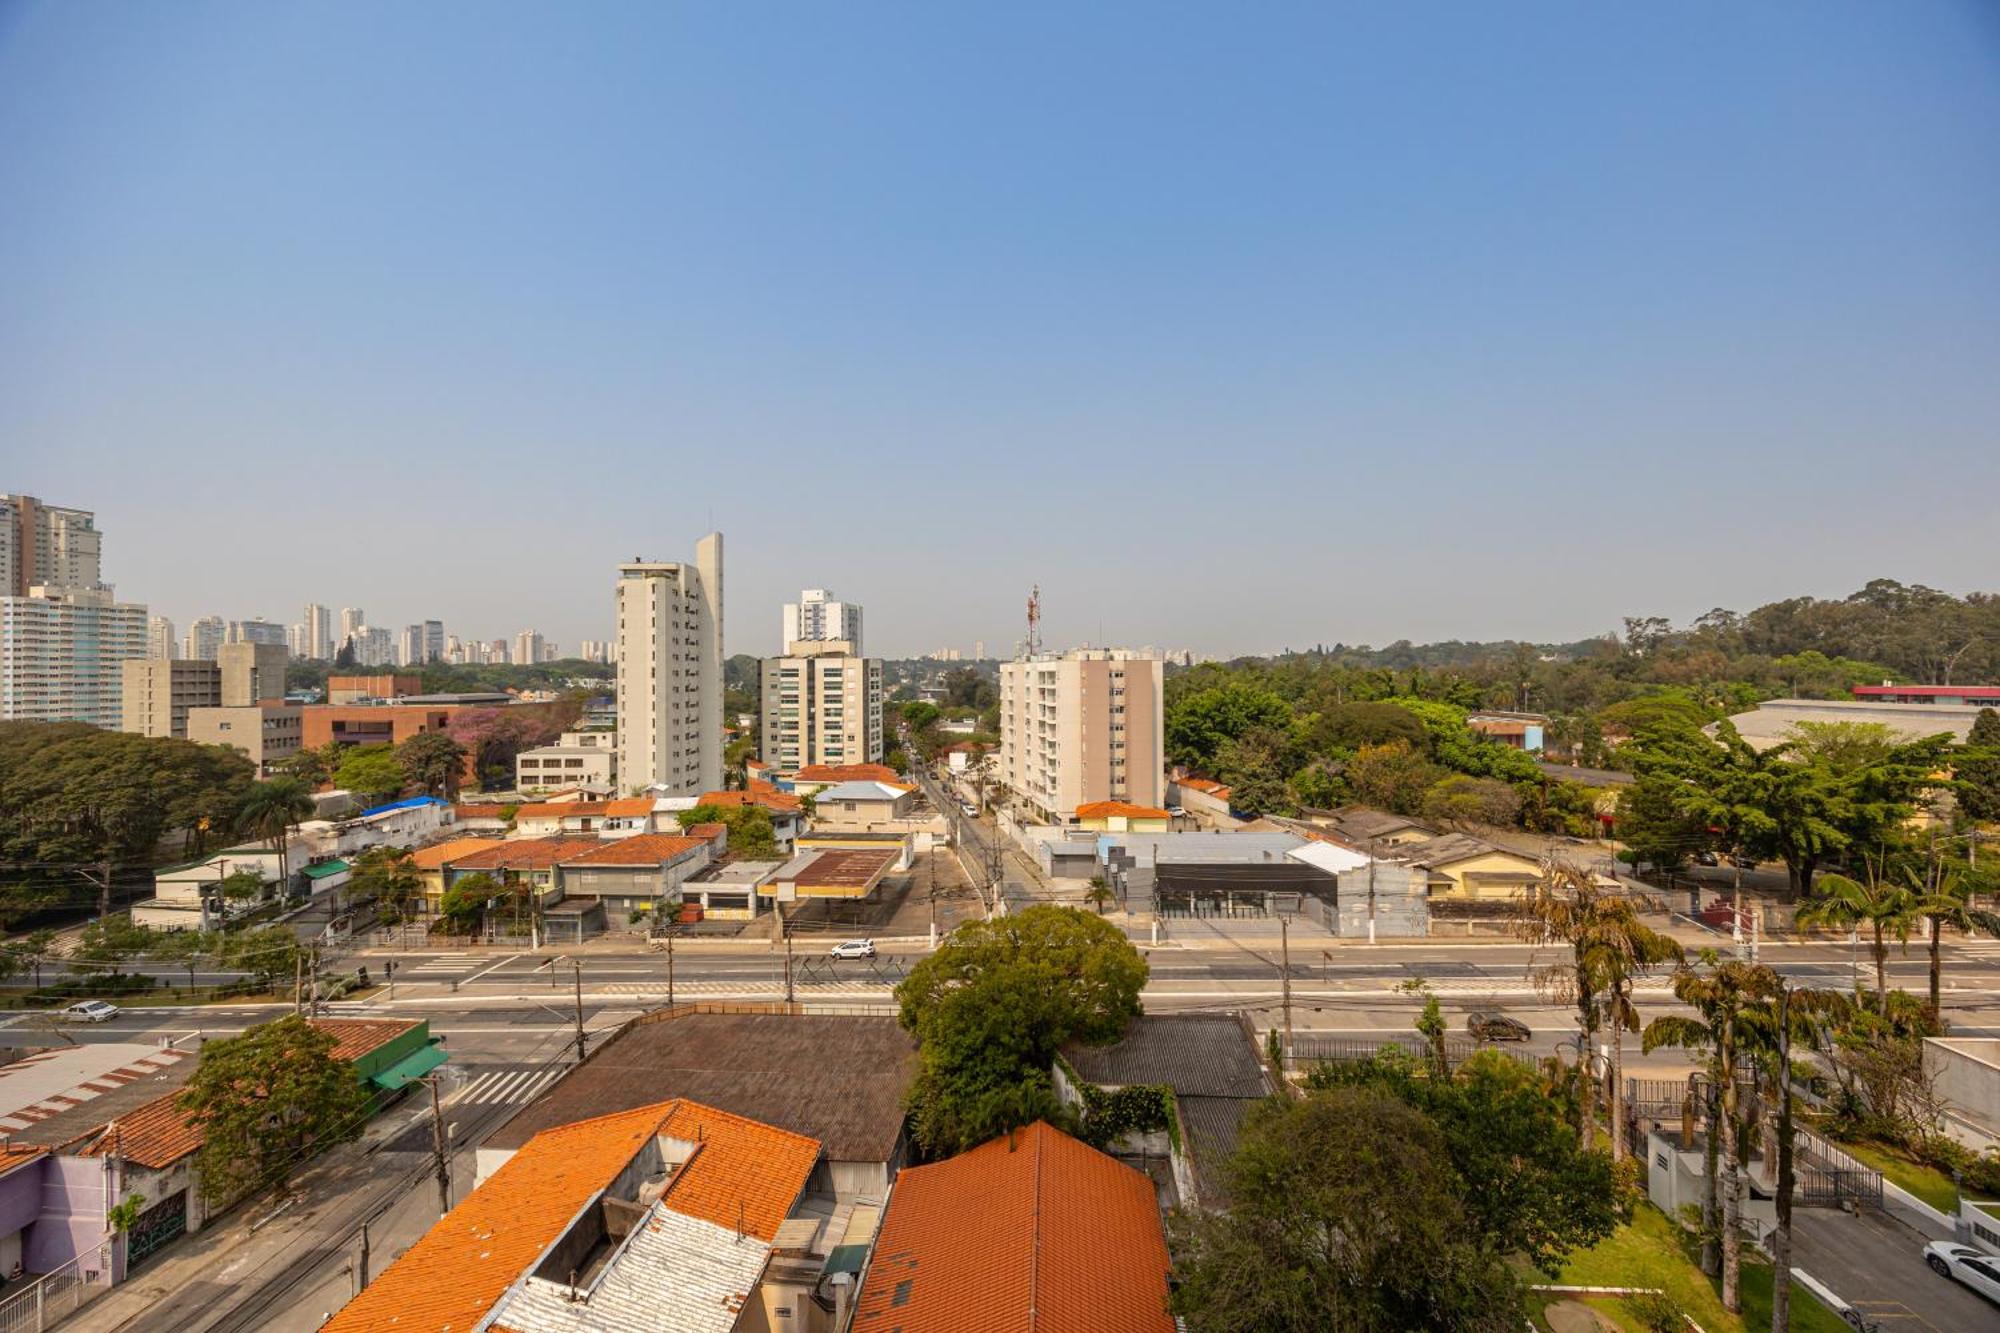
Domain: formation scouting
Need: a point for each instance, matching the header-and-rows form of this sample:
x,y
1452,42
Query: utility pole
x,y
1285,961
298,981
361,1273
437,1146
670,971
104,890
1371,890
788,964
579,1010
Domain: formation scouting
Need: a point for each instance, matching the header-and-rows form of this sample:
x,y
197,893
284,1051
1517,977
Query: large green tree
x,y
370,772
434,762
70,792
271,810
387,877
991,1007
751,833
264,1102
1529,1185
1976,768
1804,800
1345,1216
1199,724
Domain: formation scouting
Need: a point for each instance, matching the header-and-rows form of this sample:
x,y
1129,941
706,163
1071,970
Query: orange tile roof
x,y
525,853
155,1135
1204,784
626,808
435,855
479,811
1033,1232
847,773
644,849
355,1037
1109,809
452,1277
707,832
782,802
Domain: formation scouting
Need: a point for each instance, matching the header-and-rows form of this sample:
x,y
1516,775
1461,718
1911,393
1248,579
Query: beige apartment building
x,y
670,672
822,705
265,734
252,673
1080,727
158,693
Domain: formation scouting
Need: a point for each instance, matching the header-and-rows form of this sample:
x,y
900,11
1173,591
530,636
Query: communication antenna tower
x,y
1035,621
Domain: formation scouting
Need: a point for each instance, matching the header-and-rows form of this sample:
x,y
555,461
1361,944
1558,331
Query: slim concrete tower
x,y
669,658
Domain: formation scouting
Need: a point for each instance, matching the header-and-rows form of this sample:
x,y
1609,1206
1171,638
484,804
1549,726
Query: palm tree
x,y
1610,949
1769,1028
1719,996
1946,900
1100,893
272,809
1886,908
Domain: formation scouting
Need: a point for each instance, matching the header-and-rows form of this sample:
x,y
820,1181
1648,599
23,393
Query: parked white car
x,y
852,949
89,1011
1975,1268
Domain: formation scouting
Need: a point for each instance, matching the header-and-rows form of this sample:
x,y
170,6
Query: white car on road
x,y
852,949
1975,1268
89,1011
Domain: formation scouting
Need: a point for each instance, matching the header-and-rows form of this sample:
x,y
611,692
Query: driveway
x,y
1876,1264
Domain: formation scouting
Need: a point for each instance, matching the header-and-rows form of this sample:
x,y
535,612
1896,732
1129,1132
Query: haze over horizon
x,y
1234,331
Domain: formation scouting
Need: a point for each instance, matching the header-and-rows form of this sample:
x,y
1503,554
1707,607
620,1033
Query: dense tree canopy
x,y
266,1101
993,1004
750,830
370,772
1345,1215
73,792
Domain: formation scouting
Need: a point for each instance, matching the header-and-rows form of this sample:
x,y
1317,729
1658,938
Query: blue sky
x,y
1232,326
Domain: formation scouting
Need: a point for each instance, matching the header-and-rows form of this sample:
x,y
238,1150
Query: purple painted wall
x,y
21,1196
74,1194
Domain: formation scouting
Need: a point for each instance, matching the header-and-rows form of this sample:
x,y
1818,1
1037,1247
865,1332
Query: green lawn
x,y
1928,1183
1649,1252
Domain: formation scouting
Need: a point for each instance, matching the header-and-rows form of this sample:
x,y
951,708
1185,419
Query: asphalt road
x,y
1876,1264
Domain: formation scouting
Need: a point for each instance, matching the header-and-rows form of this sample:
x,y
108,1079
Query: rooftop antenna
x,y
1035,621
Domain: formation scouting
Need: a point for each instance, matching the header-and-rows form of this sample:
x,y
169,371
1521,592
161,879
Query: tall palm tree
x,y
1719,995
1610,949
272,809
1945,899
1885,907
1780,1017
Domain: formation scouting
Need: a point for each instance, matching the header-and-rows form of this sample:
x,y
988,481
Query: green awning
x,y
410,1066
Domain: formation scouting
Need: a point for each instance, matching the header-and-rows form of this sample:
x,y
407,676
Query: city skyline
x,y
1238,332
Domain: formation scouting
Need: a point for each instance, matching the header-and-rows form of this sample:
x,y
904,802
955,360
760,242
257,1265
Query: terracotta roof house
x,y
812,777
664,1217
628,879
1030,1233
863,803
836,1078
1122,817
607,819
429,862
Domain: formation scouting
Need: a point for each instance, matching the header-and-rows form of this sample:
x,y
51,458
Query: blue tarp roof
x,y
407,803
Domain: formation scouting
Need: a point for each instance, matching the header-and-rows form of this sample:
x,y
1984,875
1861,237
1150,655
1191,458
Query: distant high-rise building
x,y
594,650
47,546
410,646
979,650
454,651
61,654
822,705
528,646
204,636
318,624
160,643
295,640
352,618
433,641
374,647
259,630
670,672
817,617
497,652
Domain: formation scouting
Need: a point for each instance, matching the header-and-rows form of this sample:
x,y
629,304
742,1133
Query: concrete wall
x,y
75,1197
1967,1075
1402,902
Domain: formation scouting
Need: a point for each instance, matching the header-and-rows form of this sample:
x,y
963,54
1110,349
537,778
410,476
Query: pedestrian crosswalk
x,y
510,1084
775,988
439,967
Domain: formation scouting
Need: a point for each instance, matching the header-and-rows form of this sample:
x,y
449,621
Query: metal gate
x,y
164,1222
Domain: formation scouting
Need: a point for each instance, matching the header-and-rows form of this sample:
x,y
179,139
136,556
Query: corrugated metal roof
x,y
1209,1055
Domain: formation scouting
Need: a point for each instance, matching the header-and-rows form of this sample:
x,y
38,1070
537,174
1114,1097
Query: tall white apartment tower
x,y
816,617
160,638
669,658
204,637
352,618
318,624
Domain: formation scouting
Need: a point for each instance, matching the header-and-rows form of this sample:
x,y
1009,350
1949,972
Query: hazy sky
x,y
1233,326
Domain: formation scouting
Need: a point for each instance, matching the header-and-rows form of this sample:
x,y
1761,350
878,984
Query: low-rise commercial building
x,y
633,878
1122,817
863,804
561,765
607,819
265,734
347,689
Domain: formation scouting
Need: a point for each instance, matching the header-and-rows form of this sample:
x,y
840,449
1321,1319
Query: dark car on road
x,y
1492,1025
